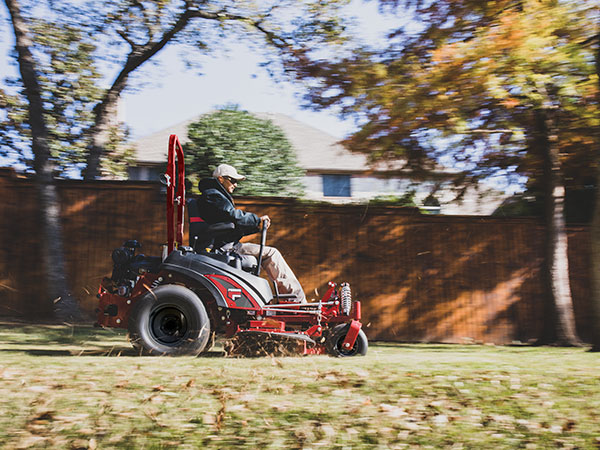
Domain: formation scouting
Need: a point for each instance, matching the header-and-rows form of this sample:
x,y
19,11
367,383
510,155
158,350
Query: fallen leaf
x,y
45,416
440,419
392,410
569,425
30,441
556,429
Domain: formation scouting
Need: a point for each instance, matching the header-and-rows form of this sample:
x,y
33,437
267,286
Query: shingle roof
x,y
316,150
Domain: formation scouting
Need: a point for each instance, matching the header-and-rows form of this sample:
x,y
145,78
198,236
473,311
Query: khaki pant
x,y
276,268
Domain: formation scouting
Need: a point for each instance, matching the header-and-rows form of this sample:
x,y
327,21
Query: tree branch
x,y
500,130
126,38
590,40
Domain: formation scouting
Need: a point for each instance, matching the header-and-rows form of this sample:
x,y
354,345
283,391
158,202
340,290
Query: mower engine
x,y
115,292
128,266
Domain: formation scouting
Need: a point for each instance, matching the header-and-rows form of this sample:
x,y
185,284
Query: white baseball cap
x,y
225,170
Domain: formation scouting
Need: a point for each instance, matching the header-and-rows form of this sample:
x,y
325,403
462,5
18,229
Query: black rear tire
x,y
169,320
336,338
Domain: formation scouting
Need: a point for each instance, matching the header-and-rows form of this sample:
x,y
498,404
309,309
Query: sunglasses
x,y
231,180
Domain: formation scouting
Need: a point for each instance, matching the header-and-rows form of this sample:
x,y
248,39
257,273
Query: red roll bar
x,y
175,230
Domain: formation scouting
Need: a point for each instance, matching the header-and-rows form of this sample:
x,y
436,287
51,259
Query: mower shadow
x,y
53,340
113,352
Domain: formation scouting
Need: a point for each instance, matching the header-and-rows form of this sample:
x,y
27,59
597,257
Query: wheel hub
x,y
168,325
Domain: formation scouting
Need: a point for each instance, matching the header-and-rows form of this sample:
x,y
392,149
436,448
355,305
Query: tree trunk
x,y
559,318
65,306
595,269
105,115
595,238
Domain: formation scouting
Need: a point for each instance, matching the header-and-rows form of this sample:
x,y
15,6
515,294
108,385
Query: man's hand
x,y
266,221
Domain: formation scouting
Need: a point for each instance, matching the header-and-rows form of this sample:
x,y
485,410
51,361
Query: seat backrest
x,y
202,234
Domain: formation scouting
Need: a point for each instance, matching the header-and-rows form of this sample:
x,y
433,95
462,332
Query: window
x,y
144,173
336,186
431,205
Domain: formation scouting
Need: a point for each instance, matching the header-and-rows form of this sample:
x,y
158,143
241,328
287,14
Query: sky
x,y
235,78
171,94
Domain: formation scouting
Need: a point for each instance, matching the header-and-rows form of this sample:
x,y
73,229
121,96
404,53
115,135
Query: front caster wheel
x,y
335,342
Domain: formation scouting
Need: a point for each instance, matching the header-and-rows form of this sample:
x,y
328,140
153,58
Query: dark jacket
x,y
215,205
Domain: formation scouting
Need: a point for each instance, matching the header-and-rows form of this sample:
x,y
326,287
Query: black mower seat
x,y
204,237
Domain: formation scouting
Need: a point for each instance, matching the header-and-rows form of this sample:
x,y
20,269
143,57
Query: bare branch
x,y
126,38
500,130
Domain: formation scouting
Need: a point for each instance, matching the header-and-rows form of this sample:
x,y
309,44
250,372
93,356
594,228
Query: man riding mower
x,y
215,205
173,305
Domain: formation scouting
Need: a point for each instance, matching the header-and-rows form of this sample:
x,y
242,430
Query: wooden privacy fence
x,y
420,278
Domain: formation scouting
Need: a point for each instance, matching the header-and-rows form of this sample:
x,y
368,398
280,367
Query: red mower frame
x,y
175,303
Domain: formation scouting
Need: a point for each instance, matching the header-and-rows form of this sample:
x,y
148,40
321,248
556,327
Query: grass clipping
x,y
254,345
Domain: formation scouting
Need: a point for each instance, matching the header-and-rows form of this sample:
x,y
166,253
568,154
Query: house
x,y
332,173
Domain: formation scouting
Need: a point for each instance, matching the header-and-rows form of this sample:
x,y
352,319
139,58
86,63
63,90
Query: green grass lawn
x,y
82,387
